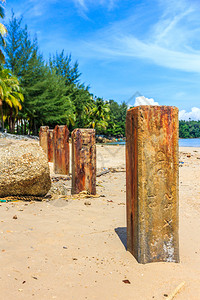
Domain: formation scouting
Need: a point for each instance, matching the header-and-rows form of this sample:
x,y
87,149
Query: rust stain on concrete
x,y
83,161
43,138
152,183
50,144
61,149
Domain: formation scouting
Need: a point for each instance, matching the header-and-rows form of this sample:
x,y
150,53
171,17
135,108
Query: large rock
x,y
24,170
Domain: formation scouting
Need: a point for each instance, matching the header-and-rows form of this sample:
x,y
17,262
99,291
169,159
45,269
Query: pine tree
x,y
63,66
45,93
76,91
19,47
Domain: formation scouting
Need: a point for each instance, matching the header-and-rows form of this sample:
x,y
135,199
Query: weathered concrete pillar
x,y
43,138
152,183
83,161
61,150
50,144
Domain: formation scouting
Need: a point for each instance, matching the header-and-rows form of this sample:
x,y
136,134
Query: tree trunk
x,y
22,127
13,124
10,124
17,126
10,120
25,127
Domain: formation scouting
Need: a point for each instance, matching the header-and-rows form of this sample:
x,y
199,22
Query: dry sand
x,y
68,250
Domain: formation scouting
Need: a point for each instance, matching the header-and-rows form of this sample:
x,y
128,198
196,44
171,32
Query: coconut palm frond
x,y
3,29
10,91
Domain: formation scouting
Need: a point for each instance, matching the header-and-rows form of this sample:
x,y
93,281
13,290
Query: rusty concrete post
x,y
152,183
50,144
61,150
83,161
43,138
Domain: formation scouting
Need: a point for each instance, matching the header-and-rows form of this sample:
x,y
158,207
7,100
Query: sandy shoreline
x,y
68,250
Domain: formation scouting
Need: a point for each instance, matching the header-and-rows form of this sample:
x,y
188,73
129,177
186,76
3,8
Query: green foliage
x,y
19,47
53,93
10,94
116,125
63,66
99,115
189,129
75,91
45,99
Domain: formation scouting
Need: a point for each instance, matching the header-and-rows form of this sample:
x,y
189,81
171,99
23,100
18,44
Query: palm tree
x,y
10,93
99,115
3,32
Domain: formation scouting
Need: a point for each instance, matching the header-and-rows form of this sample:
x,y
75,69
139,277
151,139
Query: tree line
x,y
36,92
189,129
51,92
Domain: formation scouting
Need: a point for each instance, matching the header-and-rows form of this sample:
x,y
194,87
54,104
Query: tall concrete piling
x,y
61,149
83,161
152,183
43,138
50,144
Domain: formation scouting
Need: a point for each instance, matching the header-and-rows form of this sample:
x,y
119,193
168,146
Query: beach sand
x,y
71,250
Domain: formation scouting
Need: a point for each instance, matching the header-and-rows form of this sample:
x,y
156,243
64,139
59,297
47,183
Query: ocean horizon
x,y
194,142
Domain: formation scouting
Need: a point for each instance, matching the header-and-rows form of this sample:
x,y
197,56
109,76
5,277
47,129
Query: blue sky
x,y
124,47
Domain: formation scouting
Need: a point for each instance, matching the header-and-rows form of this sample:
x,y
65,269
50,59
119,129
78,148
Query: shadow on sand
x,y
122,234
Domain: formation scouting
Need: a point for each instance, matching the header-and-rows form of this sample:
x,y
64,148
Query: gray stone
x,y
24,170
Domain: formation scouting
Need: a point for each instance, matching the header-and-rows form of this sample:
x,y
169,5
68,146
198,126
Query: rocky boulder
x,y
24,170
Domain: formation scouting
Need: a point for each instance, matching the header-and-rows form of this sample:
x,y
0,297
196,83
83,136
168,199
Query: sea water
x,y
189,142
182,143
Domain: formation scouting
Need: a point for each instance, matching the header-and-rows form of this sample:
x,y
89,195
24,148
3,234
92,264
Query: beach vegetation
x,y
189,129
11,97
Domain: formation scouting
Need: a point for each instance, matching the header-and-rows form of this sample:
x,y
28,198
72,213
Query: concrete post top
x,y
83,131
44,128
152,107
61,128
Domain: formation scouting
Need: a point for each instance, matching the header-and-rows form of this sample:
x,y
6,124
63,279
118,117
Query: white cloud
x,y
194,114
141,100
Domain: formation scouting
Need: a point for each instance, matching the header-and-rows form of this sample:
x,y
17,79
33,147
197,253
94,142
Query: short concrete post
x,y
83,161
152,183
50,144
43,138
61,150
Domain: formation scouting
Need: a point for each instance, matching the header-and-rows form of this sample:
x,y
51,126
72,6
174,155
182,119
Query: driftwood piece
x,y
175,292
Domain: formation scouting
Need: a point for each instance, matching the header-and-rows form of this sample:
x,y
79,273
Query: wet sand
x,y
71,250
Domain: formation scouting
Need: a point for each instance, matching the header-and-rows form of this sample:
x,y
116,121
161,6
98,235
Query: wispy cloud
x,y
81,3
171,42
85,5
32,8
